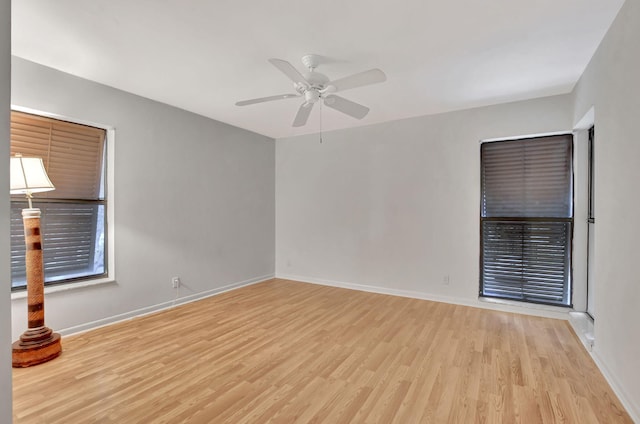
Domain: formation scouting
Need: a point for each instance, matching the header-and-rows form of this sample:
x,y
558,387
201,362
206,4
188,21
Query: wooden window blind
x,y
526,219
72,153
72,220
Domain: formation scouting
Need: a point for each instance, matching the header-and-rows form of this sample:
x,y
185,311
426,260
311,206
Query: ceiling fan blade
x,y
346,106
266,99
372,76
289,70
303,114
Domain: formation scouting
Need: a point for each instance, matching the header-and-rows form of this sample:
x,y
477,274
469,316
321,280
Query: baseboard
x,y
582,325
503,306
632,409
160,306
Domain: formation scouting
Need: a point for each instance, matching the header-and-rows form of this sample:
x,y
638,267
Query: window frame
x,y
591,182
568,265
108,276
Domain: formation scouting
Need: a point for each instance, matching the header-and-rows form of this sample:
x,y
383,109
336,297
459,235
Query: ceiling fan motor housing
x,y
316,79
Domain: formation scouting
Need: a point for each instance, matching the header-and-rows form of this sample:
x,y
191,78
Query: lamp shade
x,y
28,176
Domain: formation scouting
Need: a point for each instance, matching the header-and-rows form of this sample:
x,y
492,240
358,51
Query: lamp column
x,y
39,343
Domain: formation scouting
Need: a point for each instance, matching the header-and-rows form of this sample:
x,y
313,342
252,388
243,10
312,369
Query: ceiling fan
x,y
314,86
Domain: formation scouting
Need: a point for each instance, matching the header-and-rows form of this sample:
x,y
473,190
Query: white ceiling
x,y
204,55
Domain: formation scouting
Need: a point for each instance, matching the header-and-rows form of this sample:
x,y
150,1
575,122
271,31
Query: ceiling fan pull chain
x,y
321,122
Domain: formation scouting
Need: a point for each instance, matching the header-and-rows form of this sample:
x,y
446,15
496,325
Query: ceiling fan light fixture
x,y
312,96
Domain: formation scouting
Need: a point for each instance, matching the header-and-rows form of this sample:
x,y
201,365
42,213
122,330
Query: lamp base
x,y
36,345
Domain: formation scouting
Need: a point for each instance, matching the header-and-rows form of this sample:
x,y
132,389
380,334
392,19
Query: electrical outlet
x,y
446,280
175,282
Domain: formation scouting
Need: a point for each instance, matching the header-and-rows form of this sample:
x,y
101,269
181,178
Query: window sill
x,y
22,294
536,306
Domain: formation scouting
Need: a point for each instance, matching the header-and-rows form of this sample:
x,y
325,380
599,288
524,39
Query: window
x,y
526,219
73,215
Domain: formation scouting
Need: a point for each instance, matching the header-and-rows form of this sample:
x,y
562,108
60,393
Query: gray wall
x,y
193,198
5,309
394,207
611,86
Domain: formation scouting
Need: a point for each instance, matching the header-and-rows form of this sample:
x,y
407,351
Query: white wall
x,y
395,206
193,198
611,85
5,314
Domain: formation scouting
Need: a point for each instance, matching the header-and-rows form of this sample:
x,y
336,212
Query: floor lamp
x,y
39,343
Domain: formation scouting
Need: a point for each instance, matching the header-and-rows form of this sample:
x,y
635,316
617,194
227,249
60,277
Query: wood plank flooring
x,y
289,352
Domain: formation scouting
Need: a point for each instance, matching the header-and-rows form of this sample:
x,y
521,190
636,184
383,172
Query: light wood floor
x,y
286,352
